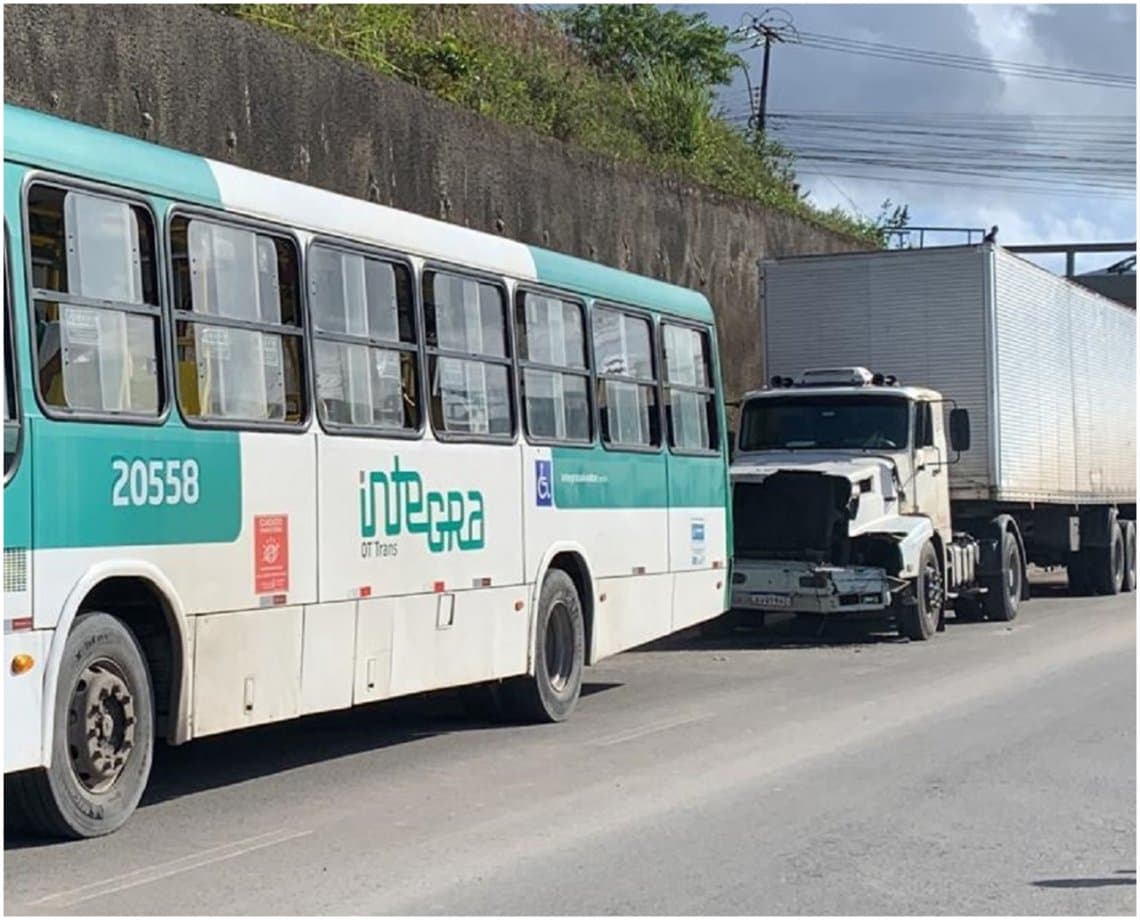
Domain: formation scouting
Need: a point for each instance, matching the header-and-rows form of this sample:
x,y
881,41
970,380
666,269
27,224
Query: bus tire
x,y
1003,599
103,738
1128,529
551,693
1108,563
919,621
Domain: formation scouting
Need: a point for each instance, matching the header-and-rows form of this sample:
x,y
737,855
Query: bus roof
x,y
49,142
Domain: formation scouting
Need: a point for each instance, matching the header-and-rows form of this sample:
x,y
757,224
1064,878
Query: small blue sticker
x,y
543,484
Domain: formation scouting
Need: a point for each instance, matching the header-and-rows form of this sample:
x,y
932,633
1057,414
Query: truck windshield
x,y
837,422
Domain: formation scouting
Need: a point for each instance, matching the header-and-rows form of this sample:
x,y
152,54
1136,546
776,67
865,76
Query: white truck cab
x,y
841,501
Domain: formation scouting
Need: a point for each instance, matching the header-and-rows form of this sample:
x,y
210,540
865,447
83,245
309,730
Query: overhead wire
x,y
963,62
1048,153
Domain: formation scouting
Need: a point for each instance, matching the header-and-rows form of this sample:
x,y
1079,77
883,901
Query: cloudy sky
x,y
985,120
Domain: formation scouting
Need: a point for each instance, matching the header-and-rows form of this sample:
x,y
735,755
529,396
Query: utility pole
x,y
772,26
764,82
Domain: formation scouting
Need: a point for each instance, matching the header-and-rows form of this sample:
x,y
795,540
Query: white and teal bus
x,y
272,451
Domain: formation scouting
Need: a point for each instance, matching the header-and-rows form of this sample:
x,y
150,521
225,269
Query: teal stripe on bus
x,y
49,143
593,477
90,478
605,283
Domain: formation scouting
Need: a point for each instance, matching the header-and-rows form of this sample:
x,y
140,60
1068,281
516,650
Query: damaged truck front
x,y
840,504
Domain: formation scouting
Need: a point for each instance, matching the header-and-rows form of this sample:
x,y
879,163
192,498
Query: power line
x,y
964,62
1004,187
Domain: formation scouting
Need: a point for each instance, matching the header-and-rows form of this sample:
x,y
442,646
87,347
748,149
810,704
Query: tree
x,y
629,41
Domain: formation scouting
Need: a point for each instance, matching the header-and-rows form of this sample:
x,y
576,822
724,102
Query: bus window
x,y
555,376
95,290
238,331
690,404
627,387
364,340
468,357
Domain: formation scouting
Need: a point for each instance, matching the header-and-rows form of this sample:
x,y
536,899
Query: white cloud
x,y
1085,37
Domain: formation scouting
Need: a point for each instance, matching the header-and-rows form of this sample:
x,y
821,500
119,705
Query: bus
x,y
272,451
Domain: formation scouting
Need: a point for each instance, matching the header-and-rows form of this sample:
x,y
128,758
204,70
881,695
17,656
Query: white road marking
x,y
163,870
651,728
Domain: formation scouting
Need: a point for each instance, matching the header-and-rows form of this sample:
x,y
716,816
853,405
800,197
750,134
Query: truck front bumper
x,y
806,587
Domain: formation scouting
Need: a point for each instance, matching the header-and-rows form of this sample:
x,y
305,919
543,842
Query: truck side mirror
x,y
731,445
959,430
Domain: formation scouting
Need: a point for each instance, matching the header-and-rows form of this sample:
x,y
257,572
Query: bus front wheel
x,y
103,737
551,693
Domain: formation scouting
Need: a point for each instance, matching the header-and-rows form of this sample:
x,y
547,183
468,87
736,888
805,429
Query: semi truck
x,y
935,422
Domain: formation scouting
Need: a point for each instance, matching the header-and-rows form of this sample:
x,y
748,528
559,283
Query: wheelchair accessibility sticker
x,y
543,483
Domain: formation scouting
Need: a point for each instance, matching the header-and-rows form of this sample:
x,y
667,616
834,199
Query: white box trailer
x,y
1046,369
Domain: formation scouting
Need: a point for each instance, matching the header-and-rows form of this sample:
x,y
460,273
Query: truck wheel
x,y
919,621
103,737
551,693
1003,599
1077,570
1108,563
1129,530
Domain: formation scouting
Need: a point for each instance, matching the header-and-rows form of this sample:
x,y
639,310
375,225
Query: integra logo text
x,y
451,520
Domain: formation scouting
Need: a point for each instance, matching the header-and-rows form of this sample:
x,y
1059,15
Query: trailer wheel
x,y
551,693
103,738
919,621
1003,599
1129,529
1108,563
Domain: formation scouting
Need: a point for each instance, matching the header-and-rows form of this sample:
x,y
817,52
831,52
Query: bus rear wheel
x,y
551,693
102,740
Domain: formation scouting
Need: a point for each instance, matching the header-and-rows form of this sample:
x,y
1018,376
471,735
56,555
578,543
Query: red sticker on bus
x,y
271,553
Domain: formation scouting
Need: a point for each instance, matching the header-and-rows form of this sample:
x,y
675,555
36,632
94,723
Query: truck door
x,y
931,493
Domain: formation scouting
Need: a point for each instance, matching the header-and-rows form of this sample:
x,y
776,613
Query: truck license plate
x,y
771,600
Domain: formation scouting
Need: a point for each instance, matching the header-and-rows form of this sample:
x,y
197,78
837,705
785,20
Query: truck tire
x,y
103,736
1108,563
1003,599
919,621
1077,569
1129,531
551,693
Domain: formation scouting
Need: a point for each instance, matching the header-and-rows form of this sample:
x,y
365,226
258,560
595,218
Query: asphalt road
x,y
990,771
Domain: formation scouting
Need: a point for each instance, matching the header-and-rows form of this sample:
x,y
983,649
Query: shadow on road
x,y
790,633
1084,882
210,763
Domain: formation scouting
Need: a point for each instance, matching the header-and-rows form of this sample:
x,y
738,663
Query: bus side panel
x,y
427,641
247,669
612,503
635,610
698,537
405,517
23,700
329,641
220,514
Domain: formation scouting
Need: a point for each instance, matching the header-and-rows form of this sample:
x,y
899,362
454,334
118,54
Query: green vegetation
x,y
632,82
